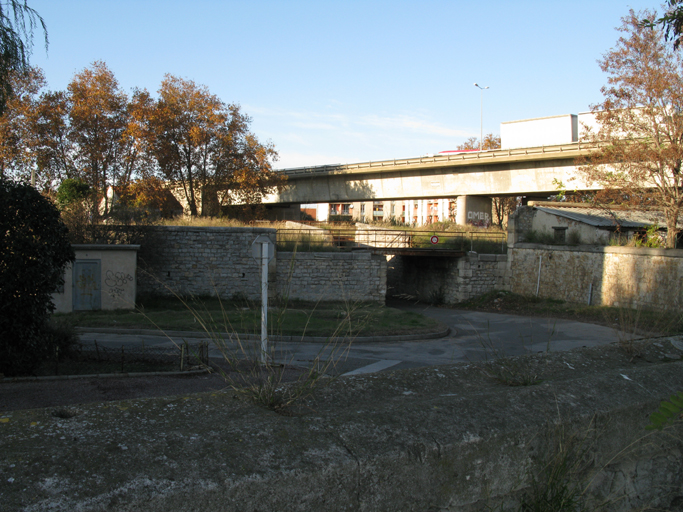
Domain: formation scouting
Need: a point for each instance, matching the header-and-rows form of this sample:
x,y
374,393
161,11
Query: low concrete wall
x,y
354,276
305,235
447,280
372,236
442,438
619,276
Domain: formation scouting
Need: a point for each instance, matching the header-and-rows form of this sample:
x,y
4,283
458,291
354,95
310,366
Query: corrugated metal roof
x,y
606,219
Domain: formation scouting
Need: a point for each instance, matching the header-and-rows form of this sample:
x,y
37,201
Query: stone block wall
x,y
219,261
524,219
354,276
476,275
201,261
447,280
609,276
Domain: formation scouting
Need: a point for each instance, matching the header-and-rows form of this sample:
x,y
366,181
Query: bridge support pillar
x,y
461,211
473,210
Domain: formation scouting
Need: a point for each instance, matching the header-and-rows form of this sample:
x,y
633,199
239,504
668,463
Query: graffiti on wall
x,y
117,283
481,219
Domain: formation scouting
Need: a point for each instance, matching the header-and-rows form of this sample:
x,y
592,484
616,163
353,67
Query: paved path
x,y
474,336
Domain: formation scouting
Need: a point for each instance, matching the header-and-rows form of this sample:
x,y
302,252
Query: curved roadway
x,y
474,336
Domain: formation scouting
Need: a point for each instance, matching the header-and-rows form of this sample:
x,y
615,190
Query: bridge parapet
x,y
521,171
571,150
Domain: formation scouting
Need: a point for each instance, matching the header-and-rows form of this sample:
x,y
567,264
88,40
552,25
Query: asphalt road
x,y
474,336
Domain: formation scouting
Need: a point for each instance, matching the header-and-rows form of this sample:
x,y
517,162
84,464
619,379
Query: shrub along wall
x,y
610,276
218,261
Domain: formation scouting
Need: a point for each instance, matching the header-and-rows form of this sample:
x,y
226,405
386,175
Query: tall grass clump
x,y
289,240
524,370
559,485
204,222
633,322
276,385
534,236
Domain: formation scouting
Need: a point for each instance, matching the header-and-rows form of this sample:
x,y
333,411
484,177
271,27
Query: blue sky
x,y
349,81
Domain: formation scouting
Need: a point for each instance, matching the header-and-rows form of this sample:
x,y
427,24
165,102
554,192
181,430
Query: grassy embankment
x,y
637,321
299,319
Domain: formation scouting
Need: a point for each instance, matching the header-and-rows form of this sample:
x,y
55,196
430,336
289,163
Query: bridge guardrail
x,y
455,158
487,242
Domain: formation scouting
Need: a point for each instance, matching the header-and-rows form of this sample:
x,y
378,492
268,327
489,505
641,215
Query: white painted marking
x,y
380,365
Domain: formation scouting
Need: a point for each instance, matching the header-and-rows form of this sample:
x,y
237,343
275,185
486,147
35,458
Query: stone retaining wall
x,y
201,261
608,276
354,276
219,261
447,280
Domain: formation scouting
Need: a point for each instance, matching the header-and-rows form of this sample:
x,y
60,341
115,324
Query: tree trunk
x,y
671,226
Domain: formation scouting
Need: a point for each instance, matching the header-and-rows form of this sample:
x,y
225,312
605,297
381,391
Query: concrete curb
x,y
255,337
101,376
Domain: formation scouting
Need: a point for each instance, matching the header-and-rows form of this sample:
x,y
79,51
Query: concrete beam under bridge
x,y
526,171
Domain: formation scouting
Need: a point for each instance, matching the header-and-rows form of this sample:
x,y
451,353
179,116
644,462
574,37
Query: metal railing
x,y
489,242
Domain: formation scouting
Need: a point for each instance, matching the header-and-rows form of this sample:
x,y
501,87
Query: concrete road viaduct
x,y
531,172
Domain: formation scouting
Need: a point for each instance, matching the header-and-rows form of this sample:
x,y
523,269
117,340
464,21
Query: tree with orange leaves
x,y
98,119
639,136
490,142
205,148
17,140
149,194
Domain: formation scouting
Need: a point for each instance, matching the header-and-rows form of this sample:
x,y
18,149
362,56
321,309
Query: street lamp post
x,y
33,171
481,113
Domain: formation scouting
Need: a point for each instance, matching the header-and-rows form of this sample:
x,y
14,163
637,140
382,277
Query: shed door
x,y
86,285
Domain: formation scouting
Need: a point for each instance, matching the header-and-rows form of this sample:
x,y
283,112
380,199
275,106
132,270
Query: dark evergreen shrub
x,y
34,251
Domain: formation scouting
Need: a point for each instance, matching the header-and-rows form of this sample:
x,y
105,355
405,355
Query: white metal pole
x,y
481,113
538,283
264,303
481,117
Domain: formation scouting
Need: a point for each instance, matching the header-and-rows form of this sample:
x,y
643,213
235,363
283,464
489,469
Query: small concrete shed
x,y
101,277
591,225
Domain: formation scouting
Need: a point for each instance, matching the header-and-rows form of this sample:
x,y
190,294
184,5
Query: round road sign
x,y
435,239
